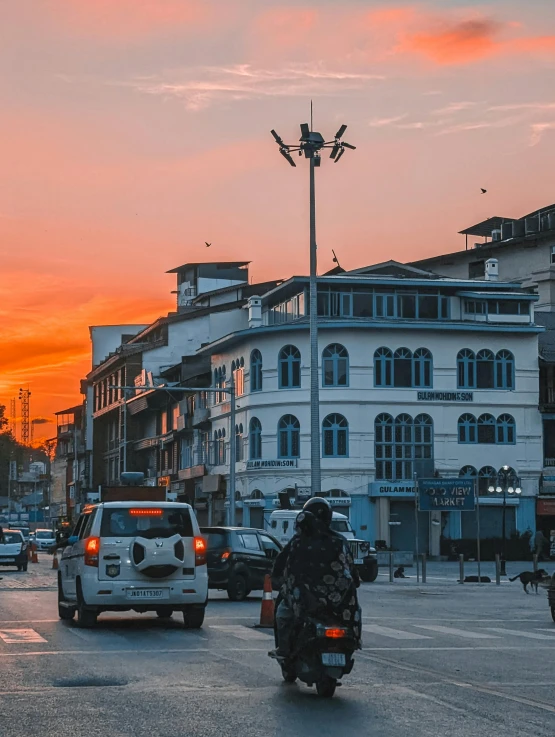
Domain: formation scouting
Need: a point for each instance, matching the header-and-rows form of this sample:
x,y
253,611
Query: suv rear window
x,y
216,540
120,522
12,537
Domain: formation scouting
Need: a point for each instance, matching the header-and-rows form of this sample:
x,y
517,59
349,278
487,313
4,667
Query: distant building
x,y
524,250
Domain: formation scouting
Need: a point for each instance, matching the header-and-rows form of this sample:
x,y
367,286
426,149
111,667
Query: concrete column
x,y
435,534
382,505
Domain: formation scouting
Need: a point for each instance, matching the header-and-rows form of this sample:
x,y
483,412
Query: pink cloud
x,y
133,20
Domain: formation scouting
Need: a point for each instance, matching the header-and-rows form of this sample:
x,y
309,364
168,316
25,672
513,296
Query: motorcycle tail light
x,y
336,632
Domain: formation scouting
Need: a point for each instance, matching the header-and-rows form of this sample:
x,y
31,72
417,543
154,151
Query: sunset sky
x,y
132,131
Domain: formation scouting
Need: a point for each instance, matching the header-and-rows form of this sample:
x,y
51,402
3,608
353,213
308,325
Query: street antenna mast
x,y
13,416
24,395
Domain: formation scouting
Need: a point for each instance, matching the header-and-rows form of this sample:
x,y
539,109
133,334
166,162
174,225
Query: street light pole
x,y
311,144
315,470
505,481
232,452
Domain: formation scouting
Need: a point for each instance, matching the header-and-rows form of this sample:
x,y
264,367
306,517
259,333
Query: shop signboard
x,y
448,495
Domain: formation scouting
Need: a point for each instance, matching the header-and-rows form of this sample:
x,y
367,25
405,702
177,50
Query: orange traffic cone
x,y
34,556
55,562
267,609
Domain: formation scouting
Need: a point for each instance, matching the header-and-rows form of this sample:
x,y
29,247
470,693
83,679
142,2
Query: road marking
x,y
242,632
187,650
19,636
480,687
440,629
376,629
520,633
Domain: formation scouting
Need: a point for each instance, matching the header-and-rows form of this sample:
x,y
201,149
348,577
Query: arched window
x,y
289,437
468,472
256,371
505,430
239,442
256,494
335,366
383,439
423,438
466,369
255,439
383,367
422,368
402,368
486,476
289,367
504,370
486,429
401,445
485,369
219,447
468,429
404,447
335,437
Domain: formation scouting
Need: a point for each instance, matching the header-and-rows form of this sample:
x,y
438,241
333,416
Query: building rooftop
x,y
219,264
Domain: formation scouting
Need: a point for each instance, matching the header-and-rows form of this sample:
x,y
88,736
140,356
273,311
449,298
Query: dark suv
x,y
239,558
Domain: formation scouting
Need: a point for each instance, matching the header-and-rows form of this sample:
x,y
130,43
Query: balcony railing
x,y
549,462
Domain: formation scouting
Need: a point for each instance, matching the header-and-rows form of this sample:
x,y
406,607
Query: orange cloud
x,y
460,42
467,41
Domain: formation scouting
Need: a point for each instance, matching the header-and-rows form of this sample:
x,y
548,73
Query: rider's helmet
x,y
320,508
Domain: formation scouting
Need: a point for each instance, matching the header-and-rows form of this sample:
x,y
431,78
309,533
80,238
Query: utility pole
x,y
311,143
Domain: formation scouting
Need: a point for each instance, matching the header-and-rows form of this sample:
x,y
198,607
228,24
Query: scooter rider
x,y
318,575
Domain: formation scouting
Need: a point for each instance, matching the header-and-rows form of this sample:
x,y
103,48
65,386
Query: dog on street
x,y
531,578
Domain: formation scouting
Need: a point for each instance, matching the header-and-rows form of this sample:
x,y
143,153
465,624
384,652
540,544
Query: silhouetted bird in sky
x,y
207,244
482,190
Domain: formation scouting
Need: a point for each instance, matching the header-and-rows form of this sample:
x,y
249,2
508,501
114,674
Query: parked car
x,y
44,539
239,558
13,551
25,531
140,556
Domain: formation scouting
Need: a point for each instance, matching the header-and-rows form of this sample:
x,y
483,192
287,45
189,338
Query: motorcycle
x,y
321,654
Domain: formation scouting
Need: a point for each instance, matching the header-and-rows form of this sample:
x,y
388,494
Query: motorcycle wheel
x,y
326,687
288,673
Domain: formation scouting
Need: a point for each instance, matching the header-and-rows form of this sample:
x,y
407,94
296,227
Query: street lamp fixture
x,y
311,144
505,482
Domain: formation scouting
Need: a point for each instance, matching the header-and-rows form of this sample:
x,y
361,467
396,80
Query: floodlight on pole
x,y
310,144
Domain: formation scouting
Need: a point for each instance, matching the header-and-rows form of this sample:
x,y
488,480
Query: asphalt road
x,y
438,660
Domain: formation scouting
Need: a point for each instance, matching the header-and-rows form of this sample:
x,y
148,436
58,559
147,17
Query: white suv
x,y
140,556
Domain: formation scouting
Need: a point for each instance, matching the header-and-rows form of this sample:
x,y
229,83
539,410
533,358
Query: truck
x,y
282,526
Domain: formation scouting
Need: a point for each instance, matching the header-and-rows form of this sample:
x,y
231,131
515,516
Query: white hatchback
x,y
140,556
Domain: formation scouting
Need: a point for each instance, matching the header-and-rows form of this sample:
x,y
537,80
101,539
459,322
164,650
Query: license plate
x,y
7,560
333,658
359,561
147,594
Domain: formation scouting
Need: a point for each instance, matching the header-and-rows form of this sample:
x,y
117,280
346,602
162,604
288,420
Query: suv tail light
x,y
92,550
225,555
199,544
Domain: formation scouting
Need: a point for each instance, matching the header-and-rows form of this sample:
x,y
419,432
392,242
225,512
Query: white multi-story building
x,y
419,374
